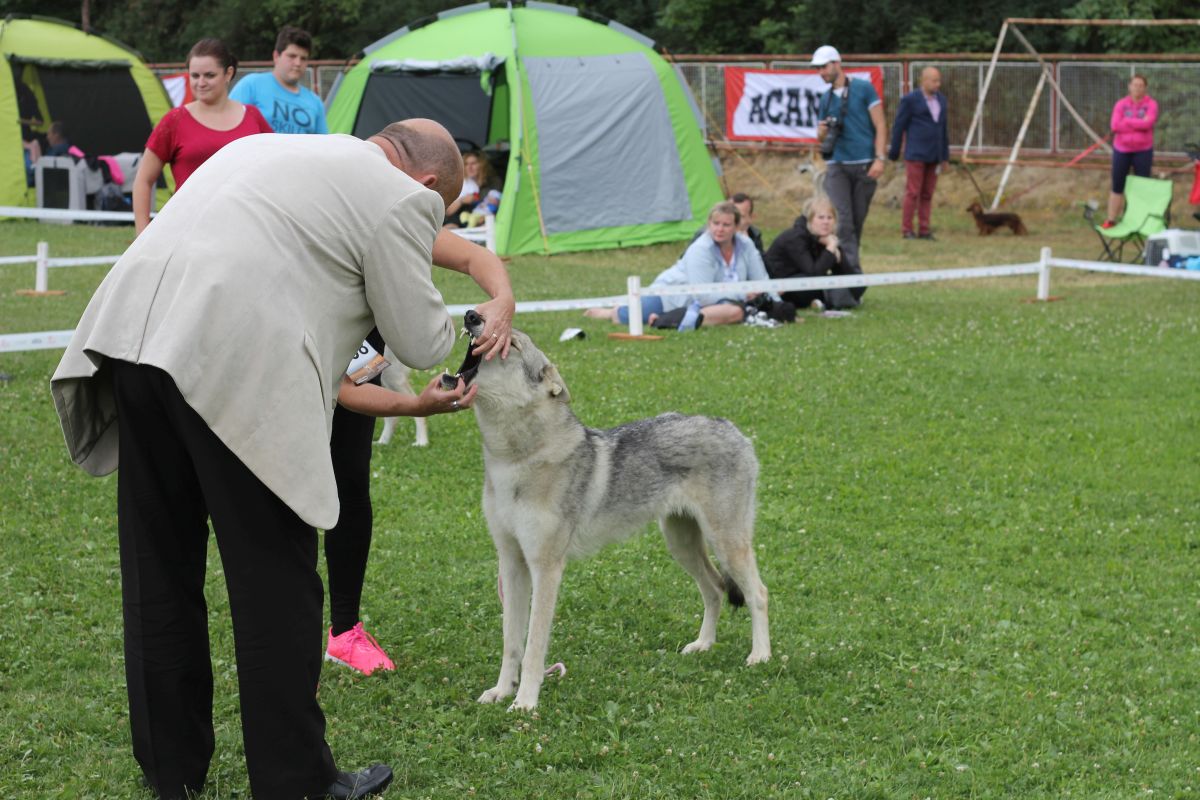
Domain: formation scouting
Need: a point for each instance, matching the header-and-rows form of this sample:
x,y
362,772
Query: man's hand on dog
x,y
436,400
497,314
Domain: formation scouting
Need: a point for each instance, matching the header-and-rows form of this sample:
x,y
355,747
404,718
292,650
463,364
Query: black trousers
x,y
349,543
850,190
175,474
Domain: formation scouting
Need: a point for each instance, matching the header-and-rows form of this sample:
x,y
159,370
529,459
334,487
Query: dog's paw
x,y
421,443
758,658
698,646
523,705
494,695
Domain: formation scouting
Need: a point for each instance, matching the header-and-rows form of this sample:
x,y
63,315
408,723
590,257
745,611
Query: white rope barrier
x,y
1041,268
484,235
1126,269
637,291
533,306
83,261
66,214
46,340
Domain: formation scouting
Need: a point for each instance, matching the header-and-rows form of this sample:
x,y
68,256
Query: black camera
x,y
778,310
833,129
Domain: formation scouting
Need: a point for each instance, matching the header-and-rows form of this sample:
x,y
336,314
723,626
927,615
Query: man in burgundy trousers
x,y
921,123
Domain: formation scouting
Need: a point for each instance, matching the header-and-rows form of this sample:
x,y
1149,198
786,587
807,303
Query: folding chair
x,y
1147,211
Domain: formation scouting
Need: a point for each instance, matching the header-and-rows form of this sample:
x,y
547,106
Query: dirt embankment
x,y
782,182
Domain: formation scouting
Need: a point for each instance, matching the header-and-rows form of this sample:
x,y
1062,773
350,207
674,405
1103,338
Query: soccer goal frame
x,y
1047,76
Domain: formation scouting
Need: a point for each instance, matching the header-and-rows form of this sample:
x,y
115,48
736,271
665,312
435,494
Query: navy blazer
x,y
926,140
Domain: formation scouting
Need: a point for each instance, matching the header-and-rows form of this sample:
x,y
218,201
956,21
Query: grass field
x,y
977,520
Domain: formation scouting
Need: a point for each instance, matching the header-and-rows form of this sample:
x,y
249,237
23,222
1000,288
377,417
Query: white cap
x,y
825,53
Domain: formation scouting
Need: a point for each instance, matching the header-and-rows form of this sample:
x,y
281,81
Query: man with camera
x,y
853,140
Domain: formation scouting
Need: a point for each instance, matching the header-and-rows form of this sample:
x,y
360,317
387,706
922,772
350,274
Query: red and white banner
x,y
178,87
779,105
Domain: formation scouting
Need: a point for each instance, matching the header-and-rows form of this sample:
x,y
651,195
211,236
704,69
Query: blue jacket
x,y
702,263
926,140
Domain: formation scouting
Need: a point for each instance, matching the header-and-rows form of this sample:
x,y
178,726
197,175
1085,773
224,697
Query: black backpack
x,y
110,198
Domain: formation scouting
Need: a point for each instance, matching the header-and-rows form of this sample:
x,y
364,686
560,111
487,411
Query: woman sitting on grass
x,y
809,249
719,255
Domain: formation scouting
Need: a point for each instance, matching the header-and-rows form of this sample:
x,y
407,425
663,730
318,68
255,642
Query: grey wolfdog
x,y
554,489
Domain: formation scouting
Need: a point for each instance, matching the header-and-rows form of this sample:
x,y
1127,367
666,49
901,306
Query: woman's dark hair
x,y
216,49
1137,76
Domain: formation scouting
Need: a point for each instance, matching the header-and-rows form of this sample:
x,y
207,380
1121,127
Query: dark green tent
x,y
103,91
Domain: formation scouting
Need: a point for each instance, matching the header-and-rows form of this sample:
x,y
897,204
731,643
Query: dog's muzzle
x,y
472,329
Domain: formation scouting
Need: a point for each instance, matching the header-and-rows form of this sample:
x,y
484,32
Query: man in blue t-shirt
x,y
288,106
858,154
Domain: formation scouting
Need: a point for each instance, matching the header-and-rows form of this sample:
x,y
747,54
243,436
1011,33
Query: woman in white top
x,y
477,180
719,255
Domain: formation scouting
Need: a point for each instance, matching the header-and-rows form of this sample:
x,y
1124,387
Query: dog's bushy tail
x,y
733,591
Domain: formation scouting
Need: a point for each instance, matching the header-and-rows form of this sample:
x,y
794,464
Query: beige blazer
x,y
253,289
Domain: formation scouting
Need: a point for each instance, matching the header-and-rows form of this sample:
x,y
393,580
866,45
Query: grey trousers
x,y
850,191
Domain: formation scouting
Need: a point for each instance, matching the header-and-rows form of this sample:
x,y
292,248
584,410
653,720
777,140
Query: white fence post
x,y
634,284
1044,276
41,280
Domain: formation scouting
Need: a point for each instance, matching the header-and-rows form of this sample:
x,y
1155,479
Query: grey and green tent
x,y
597,136
103,91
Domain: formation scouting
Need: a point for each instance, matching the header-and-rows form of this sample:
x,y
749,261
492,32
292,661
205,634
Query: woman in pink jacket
x,y
1133,119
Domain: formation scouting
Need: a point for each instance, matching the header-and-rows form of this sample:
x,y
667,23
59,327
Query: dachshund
x,y
989,222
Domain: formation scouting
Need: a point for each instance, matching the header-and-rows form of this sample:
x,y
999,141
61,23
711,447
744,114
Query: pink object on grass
x,y
358,650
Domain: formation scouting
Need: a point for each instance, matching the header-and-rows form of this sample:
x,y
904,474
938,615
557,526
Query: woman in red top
x,y
187,136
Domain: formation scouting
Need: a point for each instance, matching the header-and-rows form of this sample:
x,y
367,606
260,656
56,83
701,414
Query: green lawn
x,y
977,520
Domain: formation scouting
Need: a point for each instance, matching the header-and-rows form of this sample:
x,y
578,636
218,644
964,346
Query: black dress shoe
x,y
909,235
927,236
364,783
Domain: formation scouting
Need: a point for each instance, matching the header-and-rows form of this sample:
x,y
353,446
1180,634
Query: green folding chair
x,y
1147,211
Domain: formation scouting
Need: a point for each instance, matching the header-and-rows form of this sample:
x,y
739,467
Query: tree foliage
x,y
164,30
1134,40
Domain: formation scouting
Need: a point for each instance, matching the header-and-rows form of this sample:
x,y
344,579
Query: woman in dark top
x,y
809,249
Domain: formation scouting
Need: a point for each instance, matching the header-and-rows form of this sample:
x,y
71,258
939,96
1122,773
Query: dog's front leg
x,y
389,427
547,575
515,591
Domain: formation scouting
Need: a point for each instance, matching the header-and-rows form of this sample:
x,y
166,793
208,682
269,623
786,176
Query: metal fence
x,y
1092,87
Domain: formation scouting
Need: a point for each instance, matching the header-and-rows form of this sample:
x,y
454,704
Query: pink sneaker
x,y
357,650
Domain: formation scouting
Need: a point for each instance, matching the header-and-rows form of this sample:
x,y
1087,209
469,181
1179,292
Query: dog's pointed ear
x,y
555,383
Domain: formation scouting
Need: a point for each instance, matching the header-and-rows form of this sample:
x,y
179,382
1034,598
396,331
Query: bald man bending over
x,y
212,355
